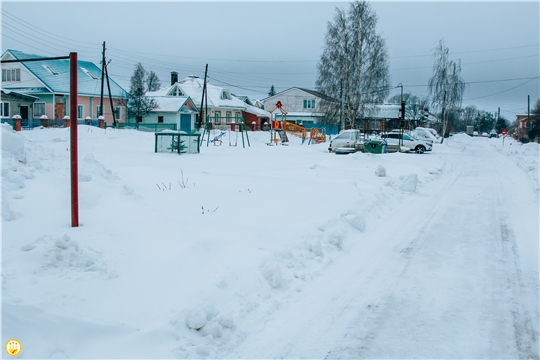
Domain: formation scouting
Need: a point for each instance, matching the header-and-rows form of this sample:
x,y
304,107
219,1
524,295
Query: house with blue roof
x,y
45,87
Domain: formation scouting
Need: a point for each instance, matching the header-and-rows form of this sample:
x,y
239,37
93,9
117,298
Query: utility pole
x,y
201,112
115,123
102,79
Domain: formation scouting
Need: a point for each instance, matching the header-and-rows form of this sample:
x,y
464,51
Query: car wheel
x,y
420,149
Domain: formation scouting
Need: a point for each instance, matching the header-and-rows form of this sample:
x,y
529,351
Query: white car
x,y
348,140
420,146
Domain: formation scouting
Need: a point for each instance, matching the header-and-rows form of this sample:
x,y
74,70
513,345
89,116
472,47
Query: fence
x,y
147,127
179,142
29,124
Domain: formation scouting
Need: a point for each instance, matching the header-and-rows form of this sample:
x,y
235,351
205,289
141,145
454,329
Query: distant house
x,y
300,104
223,107
388,116
46,85
524,124
173,108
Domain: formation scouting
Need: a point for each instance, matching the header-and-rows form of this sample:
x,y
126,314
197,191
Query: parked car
x,y
492,133
347,139
475,133
484,134
420,146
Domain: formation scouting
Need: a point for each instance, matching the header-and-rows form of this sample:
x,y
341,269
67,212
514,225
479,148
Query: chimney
x,y
174,77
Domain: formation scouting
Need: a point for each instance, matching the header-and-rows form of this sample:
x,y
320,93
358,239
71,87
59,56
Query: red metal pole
x,y
73,92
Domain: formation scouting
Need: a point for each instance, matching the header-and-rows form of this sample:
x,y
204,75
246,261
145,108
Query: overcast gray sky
x,y
252,45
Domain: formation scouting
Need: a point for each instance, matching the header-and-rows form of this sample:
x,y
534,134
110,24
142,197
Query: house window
x,y
80,112
228,115
117,112
160,119
375,125
237,115
11,74
39,109
309,104
98,112
4,109
217,118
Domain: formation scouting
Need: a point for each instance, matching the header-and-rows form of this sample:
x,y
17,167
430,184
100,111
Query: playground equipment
x,y
217,139
277,132
237,127
317,136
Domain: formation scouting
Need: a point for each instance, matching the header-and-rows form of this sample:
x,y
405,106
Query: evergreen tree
x,y
272,91
177,145
138,104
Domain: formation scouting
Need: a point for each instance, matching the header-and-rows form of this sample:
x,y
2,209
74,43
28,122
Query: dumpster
x,y
375,146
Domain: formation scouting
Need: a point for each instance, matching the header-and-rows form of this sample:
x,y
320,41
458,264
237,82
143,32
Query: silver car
x,y
420,146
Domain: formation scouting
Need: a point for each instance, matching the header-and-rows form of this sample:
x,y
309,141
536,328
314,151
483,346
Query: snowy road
x,y
453,282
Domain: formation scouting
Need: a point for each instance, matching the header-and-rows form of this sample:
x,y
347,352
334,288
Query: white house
x,y
223,107
300,104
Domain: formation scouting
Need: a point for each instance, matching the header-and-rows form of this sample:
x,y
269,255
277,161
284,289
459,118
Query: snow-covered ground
x,y
269,251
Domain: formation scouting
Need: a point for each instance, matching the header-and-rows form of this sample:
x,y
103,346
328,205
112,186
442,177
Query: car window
x,y
406,137
345,136
393,136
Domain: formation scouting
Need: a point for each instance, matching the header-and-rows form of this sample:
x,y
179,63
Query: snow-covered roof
x,y
218,97
55,75
174,103
383,112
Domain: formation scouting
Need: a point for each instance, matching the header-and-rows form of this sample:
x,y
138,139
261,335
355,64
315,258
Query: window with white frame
x,y
11,74
237,116
39,109
228,116
309,104
98,108
217,118
4,109
80,112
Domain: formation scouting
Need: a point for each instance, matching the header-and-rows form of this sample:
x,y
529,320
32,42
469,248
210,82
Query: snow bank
x,y
148,261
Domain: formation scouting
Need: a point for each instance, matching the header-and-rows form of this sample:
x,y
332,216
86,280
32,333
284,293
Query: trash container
x,y
375,146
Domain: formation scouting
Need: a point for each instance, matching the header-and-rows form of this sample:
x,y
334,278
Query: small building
x,y
524,124
178,110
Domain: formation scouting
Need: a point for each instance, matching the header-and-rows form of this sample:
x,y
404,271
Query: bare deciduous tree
x,y
353,68
446,85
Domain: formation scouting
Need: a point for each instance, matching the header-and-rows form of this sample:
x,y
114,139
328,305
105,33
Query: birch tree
x,y
446,85
353,69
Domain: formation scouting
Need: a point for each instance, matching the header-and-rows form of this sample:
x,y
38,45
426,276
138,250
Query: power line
x,y
500,92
